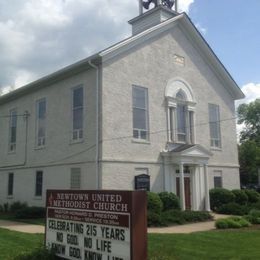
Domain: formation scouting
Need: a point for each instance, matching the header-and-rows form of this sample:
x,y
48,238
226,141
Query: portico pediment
x,y
187,151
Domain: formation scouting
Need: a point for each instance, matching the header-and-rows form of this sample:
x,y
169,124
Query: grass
x,y
231,244
13,243
242,244
11,217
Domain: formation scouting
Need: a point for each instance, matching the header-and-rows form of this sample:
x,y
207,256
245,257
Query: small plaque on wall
x,y
142,182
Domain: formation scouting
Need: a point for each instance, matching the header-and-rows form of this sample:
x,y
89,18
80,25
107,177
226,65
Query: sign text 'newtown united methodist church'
x,y
97,225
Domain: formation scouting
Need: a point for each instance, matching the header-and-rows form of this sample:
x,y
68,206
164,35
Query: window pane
x,y
77,119
181,122
217,182
139,116
38,188
139,97
214,125
41,109
10,184
78,97
75,178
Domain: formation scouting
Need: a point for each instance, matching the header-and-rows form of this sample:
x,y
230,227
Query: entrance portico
x,y
186,174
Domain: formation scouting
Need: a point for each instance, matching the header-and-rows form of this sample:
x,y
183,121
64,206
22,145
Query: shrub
x,y
253,196
38,254
240,196
169,200
182,217
233,209
16,206
220,196
154,209
1,208
30,212
232,222
253,216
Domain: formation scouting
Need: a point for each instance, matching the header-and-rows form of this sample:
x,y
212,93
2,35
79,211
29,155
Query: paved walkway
x,y
21,227
188,228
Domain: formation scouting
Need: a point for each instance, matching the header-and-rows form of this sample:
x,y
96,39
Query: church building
x,y
154,111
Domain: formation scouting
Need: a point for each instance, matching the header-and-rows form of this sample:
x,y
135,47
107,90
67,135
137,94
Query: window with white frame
x,y
140,113
180,119
41,122
77,113
75,178
38,183
12,130
10,188
214,126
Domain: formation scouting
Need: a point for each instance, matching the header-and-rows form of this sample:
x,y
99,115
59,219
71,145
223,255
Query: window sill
x,y
11,152
39,147
37,198
216,149
76,141
9,197
140,141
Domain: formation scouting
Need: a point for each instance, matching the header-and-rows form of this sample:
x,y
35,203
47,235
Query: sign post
x,y
97,225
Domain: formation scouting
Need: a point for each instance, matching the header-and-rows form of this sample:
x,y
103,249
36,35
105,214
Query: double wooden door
x,y
187,191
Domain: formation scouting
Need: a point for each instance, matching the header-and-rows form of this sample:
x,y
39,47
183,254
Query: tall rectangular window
x,y
217,182
10,188
12,130
140,113
214,126
41,122
77,113
181,123
38,183
75,178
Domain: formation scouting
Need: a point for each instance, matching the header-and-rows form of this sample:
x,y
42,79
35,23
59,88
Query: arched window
x,y
180,112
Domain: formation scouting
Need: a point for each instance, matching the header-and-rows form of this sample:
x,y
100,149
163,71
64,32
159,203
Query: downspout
x,y
25,117
97,124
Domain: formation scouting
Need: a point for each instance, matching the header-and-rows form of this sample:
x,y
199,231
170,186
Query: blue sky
x,y
38,37
233,31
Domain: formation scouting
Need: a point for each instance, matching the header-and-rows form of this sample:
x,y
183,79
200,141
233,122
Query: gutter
x,y
97,124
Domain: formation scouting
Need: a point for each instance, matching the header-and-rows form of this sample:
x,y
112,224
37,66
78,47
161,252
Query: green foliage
x,y
249,115
6,207
233,208
249,160
253,196
232,222
16,206
169,200
240,196
182,217
154,209
30,212
1,208
37,254
253,216
220,196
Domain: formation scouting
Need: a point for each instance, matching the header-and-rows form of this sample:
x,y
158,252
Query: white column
x,y
206,177
169,124
182,191
166,175
187,119
140,7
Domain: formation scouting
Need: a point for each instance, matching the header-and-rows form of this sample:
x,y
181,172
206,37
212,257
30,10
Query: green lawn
x,y
233,245
13,243
237,244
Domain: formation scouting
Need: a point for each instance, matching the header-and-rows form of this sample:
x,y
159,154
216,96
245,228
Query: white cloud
x,y
202,29
39,37
184,5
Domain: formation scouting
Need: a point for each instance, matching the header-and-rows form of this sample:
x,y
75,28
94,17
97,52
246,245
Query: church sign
x,y
96,225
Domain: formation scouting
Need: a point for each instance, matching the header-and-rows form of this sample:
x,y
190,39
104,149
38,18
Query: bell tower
x,y
153,12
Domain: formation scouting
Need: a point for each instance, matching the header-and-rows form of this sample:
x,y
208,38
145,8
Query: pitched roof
x,y
182,19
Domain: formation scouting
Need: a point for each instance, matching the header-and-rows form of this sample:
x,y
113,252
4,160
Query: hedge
x,y
154,209
233,208
220,196
170,201
232,222
240,196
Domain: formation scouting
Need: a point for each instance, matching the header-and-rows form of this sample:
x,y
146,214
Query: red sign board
x,y
104,225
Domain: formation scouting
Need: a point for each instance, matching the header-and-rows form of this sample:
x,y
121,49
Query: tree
x,y
249,115
249,149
